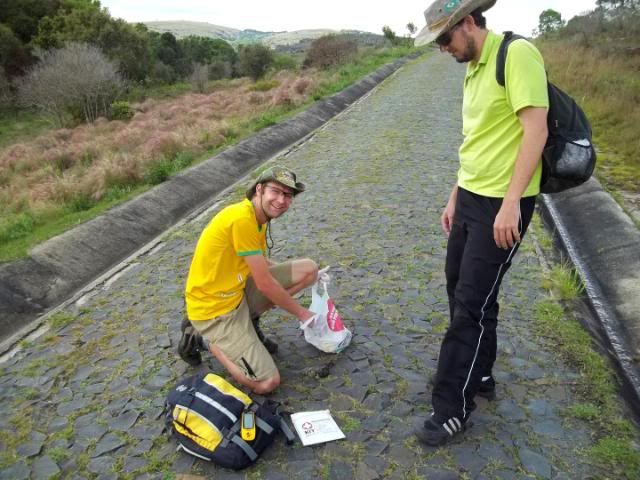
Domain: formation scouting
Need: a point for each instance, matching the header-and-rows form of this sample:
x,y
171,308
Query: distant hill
x,y
184,28
276,40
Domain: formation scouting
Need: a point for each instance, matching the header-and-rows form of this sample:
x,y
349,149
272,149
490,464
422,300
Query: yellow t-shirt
x,y
218,272
491,129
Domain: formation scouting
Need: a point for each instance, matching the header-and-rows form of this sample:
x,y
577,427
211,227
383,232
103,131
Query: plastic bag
x,y
325,330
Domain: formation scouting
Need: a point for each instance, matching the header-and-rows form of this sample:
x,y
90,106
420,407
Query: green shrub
x,y
121,110
16,226
80,202
264,85
162,170
283,61
158,172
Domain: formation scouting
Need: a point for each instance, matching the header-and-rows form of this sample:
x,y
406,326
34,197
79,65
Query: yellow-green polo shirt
x,y
218,272
491,129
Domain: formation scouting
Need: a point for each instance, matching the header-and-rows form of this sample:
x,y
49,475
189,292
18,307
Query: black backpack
x,y
569,157
203,413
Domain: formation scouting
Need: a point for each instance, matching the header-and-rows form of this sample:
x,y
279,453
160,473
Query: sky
x,y
520,16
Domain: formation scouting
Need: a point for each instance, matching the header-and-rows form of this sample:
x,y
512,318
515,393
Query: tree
x,y
550,21
199,77
14,55
77,79
23,16
330,50
615,4
207,50
255,60
412,28
169,51
6,93
86,22
389,34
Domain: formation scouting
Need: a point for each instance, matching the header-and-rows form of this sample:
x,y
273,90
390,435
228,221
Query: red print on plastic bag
x,y
333,317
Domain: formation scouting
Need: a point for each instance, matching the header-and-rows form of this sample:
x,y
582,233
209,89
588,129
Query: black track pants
x,y
474,269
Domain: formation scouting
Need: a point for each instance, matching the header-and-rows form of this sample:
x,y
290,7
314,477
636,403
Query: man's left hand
x,y
505,227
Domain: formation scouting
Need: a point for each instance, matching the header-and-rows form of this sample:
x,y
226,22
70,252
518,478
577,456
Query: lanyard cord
x,y
269,239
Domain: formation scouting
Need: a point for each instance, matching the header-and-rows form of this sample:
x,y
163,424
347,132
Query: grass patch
x,y
614,449
343,76
16,226
564,281
21,125
60,319
349,424
264,85
618,455
52,222
584,411
138,93
575,345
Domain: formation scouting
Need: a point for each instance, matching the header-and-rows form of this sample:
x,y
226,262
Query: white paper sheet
x,y
316,427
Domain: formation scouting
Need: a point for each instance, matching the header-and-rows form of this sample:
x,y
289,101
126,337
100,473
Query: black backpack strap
x,y
501,60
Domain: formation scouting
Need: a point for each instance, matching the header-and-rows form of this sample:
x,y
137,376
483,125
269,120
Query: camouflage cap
x,y
442,15
280,174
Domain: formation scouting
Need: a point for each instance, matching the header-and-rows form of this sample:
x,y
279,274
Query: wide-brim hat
x,y
280,174
442,15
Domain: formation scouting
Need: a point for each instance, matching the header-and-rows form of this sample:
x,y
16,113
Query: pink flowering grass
x,y
88,160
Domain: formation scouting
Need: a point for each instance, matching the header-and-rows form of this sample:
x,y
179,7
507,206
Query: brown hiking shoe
x,y
190,344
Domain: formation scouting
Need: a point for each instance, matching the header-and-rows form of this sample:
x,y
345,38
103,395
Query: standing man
x,y
231,282
490,206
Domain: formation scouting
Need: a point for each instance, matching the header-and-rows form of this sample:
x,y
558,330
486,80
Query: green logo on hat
x,y
451,5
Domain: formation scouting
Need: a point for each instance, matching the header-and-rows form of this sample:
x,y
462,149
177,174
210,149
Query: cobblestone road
x,y
85,400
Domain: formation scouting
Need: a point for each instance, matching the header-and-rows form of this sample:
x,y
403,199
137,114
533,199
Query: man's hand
x,y
323,275
271,289
506,230
446,219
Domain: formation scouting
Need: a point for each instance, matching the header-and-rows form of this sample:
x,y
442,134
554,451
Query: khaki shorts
x,y
234,333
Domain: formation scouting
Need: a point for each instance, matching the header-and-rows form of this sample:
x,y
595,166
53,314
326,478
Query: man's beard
x,y
470,50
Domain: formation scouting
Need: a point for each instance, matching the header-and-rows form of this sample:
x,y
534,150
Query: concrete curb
x,y
62,265
603,244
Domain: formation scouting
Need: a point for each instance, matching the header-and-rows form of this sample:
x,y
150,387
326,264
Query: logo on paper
x,y
308,428
333,317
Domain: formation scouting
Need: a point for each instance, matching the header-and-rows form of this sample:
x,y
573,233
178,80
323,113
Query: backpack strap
x,y
287,431
251,453
230,435
502,55
275,408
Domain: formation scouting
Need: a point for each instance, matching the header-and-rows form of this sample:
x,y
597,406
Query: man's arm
x,y
271,289
534,125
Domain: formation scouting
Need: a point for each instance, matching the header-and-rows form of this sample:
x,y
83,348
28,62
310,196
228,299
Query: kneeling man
x,y
231,282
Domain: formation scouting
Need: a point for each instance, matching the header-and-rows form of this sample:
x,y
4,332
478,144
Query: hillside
x,y
184,28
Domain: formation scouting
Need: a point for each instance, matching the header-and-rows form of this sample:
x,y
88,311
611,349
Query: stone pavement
x,y
85,399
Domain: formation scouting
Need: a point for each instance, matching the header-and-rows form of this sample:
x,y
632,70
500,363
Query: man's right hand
x,y
306,317
446,219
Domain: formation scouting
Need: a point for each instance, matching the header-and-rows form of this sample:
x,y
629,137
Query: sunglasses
x,y
444,39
